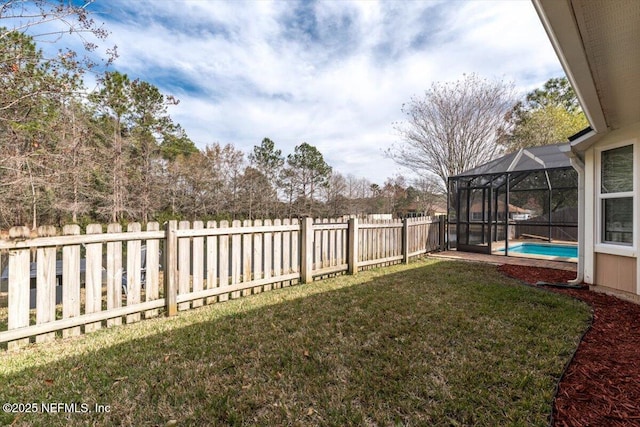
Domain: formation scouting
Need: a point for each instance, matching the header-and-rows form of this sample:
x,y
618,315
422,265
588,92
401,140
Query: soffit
x,y
610,32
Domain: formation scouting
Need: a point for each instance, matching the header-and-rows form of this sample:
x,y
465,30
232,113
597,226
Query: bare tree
x,y
453,127
47,21
76,157
34,86
429,195
256,194
336,203
31,90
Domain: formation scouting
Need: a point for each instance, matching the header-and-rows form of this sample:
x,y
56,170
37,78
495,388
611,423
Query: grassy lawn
x,y
432,343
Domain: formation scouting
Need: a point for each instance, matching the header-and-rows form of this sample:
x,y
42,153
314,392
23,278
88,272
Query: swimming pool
x,y
544,249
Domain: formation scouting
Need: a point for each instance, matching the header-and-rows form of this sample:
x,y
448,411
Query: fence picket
x,y
247,252
361,244
212,261
268,255
339,247
317,247
236,258
257,256
114,274
286,248
134,265
307,249
46,284
224,261
71,280
152,286
352,241
295,247
19,286
370,244
171,268
93,278
277,252
184,264
198,263
324,255
333,255
388,239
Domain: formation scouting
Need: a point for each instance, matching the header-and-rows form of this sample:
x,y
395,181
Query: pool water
x,y
550,249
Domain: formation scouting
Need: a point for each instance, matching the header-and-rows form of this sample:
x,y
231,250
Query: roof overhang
x,y
560,23
597,43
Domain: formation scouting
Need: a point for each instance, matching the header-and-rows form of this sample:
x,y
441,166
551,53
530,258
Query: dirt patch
x,y
601,386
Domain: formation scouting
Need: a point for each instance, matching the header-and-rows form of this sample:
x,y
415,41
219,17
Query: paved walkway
x,y
501,259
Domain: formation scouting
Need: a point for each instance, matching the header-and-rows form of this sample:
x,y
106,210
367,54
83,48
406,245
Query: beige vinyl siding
x,y
616,272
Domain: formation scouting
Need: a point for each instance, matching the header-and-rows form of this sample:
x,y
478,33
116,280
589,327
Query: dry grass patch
x,y
432,343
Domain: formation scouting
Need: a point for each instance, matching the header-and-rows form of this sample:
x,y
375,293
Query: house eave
x,y
582,143
559,22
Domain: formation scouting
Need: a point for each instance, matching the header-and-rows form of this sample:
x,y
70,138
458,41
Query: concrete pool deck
x,y
501,259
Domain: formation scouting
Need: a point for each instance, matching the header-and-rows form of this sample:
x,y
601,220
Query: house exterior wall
x,y
616,272
611,267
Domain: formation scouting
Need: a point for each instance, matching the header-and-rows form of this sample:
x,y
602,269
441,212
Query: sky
x,y
333,73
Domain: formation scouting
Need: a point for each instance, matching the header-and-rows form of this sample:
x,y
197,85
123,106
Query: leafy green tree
x,y
113,102
267,159
175,142
308,172
149,123
556,91
548,115
268,162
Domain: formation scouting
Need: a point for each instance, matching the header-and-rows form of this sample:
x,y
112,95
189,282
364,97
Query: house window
x,y
616,195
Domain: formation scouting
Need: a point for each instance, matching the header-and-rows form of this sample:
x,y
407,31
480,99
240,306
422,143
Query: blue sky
x,y
331,73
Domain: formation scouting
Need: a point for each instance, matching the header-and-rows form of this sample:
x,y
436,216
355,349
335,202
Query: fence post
x,y
442,234
405,240
171,268
353,246
306,251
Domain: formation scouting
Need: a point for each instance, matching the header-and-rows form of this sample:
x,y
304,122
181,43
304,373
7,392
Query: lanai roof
x,y
524,160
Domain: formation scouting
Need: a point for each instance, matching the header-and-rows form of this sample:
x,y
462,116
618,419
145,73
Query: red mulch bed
x,y
601,386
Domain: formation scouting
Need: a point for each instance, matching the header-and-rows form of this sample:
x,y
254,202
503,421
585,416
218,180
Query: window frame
x,y
615,248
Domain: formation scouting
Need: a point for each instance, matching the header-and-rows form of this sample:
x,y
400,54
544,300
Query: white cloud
x,y
334,75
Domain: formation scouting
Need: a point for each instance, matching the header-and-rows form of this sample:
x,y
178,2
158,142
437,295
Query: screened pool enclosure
x,y
528,195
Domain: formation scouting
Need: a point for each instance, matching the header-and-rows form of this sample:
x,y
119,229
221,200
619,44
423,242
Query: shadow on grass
x,y
446,343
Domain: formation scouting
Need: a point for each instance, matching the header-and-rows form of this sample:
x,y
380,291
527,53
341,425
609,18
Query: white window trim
x,y
613,248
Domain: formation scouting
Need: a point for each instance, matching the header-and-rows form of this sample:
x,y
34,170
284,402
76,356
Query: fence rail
x,y
73,283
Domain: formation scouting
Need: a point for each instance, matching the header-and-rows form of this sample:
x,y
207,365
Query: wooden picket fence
x,y
72,283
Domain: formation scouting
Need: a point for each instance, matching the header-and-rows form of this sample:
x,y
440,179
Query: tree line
x,y
116,155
